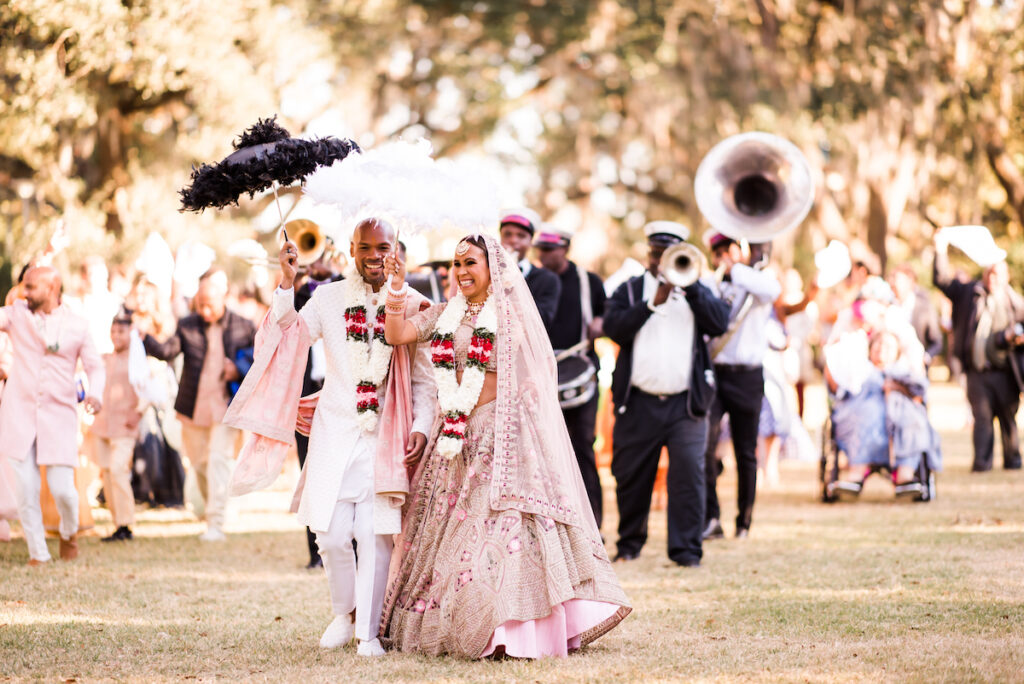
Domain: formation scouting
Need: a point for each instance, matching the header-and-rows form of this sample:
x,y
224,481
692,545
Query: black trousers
x,y
302,446
580,423
649,424
740,391
993,394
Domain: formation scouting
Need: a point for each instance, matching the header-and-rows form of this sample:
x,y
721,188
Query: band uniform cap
x,y
552,237
666,231
712,239
522,217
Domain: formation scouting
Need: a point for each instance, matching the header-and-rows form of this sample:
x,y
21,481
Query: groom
x,y
344,467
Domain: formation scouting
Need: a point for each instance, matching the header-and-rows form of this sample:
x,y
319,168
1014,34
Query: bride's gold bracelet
x,y
394,303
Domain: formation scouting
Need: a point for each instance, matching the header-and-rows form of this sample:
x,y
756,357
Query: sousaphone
x,y
754,187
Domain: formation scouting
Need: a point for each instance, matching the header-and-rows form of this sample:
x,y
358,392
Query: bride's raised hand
x,y
395,270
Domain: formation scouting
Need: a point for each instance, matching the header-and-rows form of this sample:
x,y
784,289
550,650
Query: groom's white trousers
x,y
356,585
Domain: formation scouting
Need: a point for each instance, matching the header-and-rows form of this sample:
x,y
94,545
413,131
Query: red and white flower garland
x,y
459,399
369,355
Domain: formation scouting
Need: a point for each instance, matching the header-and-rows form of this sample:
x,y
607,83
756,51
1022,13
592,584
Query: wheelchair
x,y
833,462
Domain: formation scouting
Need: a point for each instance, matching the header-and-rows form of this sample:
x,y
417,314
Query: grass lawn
x,y
875,590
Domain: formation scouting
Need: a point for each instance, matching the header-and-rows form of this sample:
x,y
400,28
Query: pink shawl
x,y
267,402
269,406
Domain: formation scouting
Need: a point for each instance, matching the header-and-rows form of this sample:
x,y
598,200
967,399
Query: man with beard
x,y
338,499
209,339
516,230
38,419
320,272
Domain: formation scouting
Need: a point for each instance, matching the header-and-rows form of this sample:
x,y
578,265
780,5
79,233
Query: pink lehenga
x,y
500,552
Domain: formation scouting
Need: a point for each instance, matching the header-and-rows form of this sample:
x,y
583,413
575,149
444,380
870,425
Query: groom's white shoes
x,y
338,633
370,648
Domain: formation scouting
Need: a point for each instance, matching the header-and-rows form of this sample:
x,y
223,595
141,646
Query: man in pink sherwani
x,y
8,502
38,419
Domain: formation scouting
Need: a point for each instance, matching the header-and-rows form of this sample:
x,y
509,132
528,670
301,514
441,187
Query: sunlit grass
x,y
875,590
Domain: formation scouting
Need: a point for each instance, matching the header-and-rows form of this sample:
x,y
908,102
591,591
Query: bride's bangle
x,y
394,303
400,293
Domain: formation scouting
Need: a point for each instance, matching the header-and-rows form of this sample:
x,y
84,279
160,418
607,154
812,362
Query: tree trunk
x,y
878,224
1010,177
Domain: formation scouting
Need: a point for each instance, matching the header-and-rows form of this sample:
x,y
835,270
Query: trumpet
x,y
681,265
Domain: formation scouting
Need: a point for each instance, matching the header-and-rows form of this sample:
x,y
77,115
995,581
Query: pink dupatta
x,y
269,406
267,402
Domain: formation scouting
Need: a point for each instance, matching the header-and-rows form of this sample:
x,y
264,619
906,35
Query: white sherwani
x,y
339,463
338,498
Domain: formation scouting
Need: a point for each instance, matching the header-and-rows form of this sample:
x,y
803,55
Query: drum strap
x,y
585,307
588,317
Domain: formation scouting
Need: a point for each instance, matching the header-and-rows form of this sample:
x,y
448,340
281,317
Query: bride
x,y
499,553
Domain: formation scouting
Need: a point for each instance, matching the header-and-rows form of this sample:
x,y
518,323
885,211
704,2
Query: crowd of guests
x,y
98,367
93,370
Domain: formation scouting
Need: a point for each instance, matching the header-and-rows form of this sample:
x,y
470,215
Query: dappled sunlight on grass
x,y
869,590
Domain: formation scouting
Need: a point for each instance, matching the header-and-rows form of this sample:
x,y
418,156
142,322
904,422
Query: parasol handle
x,y
277,201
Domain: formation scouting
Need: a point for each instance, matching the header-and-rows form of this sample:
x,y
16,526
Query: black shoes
x,y
688,562
713,530
122,533
622,557
742,533
317,562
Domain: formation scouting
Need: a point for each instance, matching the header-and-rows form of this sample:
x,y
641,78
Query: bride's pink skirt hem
x,y
555,635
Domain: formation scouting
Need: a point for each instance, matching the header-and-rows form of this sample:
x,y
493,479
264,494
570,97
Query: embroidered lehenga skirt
x,y
473,581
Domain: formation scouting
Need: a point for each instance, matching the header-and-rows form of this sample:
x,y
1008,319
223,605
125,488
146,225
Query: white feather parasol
x,y
401,183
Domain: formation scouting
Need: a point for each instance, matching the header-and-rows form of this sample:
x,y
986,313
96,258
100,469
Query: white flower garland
x,y
369,355
457,400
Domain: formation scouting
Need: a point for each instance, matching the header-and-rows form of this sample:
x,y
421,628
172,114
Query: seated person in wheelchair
x,y
877,381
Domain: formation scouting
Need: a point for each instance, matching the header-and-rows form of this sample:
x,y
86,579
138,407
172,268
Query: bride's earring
x,y
490,288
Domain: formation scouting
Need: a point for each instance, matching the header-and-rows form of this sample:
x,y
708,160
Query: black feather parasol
x,y
264,154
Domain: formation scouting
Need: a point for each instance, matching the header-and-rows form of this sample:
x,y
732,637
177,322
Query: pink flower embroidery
x,y
460,514
451,499
514,545
471,472
420,606
465,577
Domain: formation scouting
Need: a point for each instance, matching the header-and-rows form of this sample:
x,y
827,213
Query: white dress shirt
x,y
525,267
339,463
749,343
663,349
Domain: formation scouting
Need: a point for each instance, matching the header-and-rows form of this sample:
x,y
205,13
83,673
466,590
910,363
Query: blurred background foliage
x,y
598,113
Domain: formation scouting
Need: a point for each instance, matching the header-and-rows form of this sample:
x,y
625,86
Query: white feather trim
x,y
401,183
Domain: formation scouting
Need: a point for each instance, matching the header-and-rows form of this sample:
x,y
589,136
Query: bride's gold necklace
x,y
474,308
